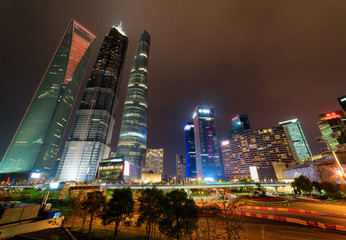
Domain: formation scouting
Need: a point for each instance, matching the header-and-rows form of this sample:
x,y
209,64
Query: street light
x,y
333,135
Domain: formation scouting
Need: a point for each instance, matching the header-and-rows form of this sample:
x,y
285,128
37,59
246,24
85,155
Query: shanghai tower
x,y
133,133
34,147
91,132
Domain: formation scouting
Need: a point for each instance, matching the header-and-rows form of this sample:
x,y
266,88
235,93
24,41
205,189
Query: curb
x,y
294,220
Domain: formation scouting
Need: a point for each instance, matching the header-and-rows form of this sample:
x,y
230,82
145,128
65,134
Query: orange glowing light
x,y
331,115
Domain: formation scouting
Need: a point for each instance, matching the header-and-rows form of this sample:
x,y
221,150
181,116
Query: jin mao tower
x,y
90,136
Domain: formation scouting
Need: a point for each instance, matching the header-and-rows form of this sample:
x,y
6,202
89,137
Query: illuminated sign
x,y
343,100
126,168
117,160
194,115
224,143
331,115
35,175
235,118
201,110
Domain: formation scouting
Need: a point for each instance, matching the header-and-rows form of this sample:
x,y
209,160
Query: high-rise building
x,y
333,122
208,161
154,161
133,133
342,101
91,132
34,147
240,123
258,149
190,163
180,167
296,136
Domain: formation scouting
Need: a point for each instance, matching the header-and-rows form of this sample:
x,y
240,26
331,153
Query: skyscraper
x,y
154,161
297,138
240,123
34,147
190,163
342,101
333,122
133,133
179,167
208,161
90,136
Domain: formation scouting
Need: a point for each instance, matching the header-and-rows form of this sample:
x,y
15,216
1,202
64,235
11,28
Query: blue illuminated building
x,y
208,160
190,164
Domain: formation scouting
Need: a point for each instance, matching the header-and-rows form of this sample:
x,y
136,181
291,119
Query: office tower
x,y
296,137
342,101
208,162
154,161
180,167
240,123
91,132
34,147
333,122
190,151
255,148
133,133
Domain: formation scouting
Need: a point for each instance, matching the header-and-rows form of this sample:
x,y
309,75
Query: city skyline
x,y
263,48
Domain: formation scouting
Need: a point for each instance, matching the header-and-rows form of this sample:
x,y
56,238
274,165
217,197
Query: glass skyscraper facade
x,y
240,123
91,132
133,133
295,132
190,163
208,161
35,145
342,101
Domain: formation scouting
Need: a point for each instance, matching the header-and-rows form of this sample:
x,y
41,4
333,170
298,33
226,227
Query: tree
x,y
93,205
150,209
119,209
302,183
208,228
229,216
180,215
332,189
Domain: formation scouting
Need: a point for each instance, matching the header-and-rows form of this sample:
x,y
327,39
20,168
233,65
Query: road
x,y
258,229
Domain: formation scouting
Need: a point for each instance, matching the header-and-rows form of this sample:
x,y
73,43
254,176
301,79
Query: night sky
x,y
276,60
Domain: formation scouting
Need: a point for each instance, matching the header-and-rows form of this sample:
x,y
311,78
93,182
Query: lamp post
x,y
333,135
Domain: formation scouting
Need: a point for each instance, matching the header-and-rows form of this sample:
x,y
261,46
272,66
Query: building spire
x,y
120,28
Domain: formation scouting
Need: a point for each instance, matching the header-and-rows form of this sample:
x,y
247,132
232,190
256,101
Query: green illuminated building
x,y
34,147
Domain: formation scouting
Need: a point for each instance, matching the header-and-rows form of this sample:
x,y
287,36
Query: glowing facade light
x,y
194,115
35,175
343,99
188,127
209,179
225,143
331,115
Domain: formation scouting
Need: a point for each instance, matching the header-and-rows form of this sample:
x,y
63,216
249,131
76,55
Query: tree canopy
x,y
119,209
180,215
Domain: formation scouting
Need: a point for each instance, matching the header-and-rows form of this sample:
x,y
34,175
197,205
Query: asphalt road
x,y
259,229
